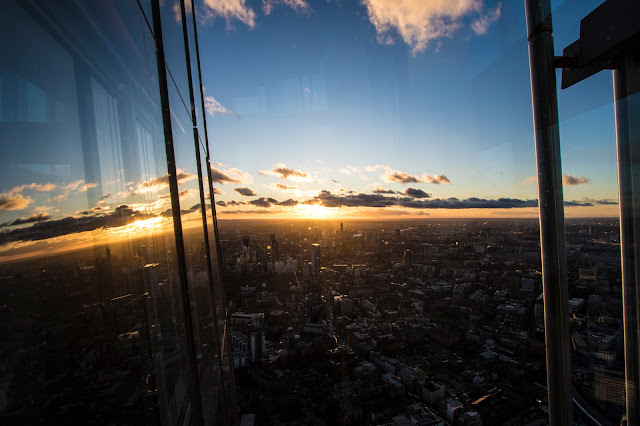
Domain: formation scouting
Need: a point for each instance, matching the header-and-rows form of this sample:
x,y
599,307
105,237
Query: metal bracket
x,y
607,34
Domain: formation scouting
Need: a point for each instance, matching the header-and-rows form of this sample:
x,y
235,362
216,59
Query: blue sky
x,y
317,86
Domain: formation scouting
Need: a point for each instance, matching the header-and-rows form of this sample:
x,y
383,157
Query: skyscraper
x,y
408,259
315,259
245,248
274,248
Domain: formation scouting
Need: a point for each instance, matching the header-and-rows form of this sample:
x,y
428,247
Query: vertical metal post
x,y
626,86
175,209
196,141
552,238
203,206
228,374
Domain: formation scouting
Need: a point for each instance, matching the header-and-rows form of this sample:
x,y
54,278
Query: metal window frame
x,y
175,211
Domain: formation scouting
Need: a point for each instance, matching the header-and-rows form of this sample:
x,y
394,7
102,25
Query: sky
x,y
323,109
401,104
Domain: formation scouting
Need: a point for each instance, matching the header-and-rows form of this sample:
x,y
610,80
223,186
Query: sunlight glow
x,y
139,227
314,211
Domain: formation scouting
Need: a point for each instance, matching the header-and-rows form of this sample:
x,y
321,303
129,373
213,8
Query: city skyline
x,y
384,117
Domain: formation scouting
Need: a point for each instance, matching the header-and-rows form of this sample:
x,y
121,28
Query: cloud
x,y
437,179
247,192
226,212
349,170
418,22
177,13
327,199
33,218
182,194
589,203
399,177
297,5
232,175
416,193
222,203
286,187
213,107
530,179
229,10
383,191
568,180
217,191
79,185
284,172
263,202
14,201
288,203
162,182
481,25
377,167
42,230
47,187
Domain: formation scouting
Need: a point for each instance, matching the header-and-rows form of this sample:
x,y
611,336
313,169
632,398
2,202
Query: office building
x,y
315,259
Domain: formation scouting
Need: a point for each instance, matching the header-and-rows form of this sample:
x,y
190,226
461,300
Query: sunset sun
x,y
314,211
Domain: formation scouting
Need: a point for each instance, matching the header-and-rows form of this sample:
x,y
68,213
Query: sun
x,y
140,227
313,211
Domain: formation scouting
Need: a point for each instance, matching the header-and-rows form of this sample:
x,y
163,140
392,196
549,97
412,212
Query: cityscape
x,y
430,322
296,212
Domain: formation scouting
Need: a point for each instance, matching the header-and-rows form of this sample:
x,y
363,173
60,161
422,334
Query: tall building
x,y
408,259
274,248
91,98
315,259
245,248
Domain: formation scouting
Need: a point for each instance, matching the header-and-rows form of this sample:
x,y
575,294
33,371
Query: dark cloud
x,y
589,203
42,230
578,204
221,177
226,212
181,194
105,196
285,187
222,203
289,202
284,172
163,182
35,217
437,179
217,191
399,177
383,191
327,199
14,201
416,193
247,192
169,212
236,203
568,180
263,202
